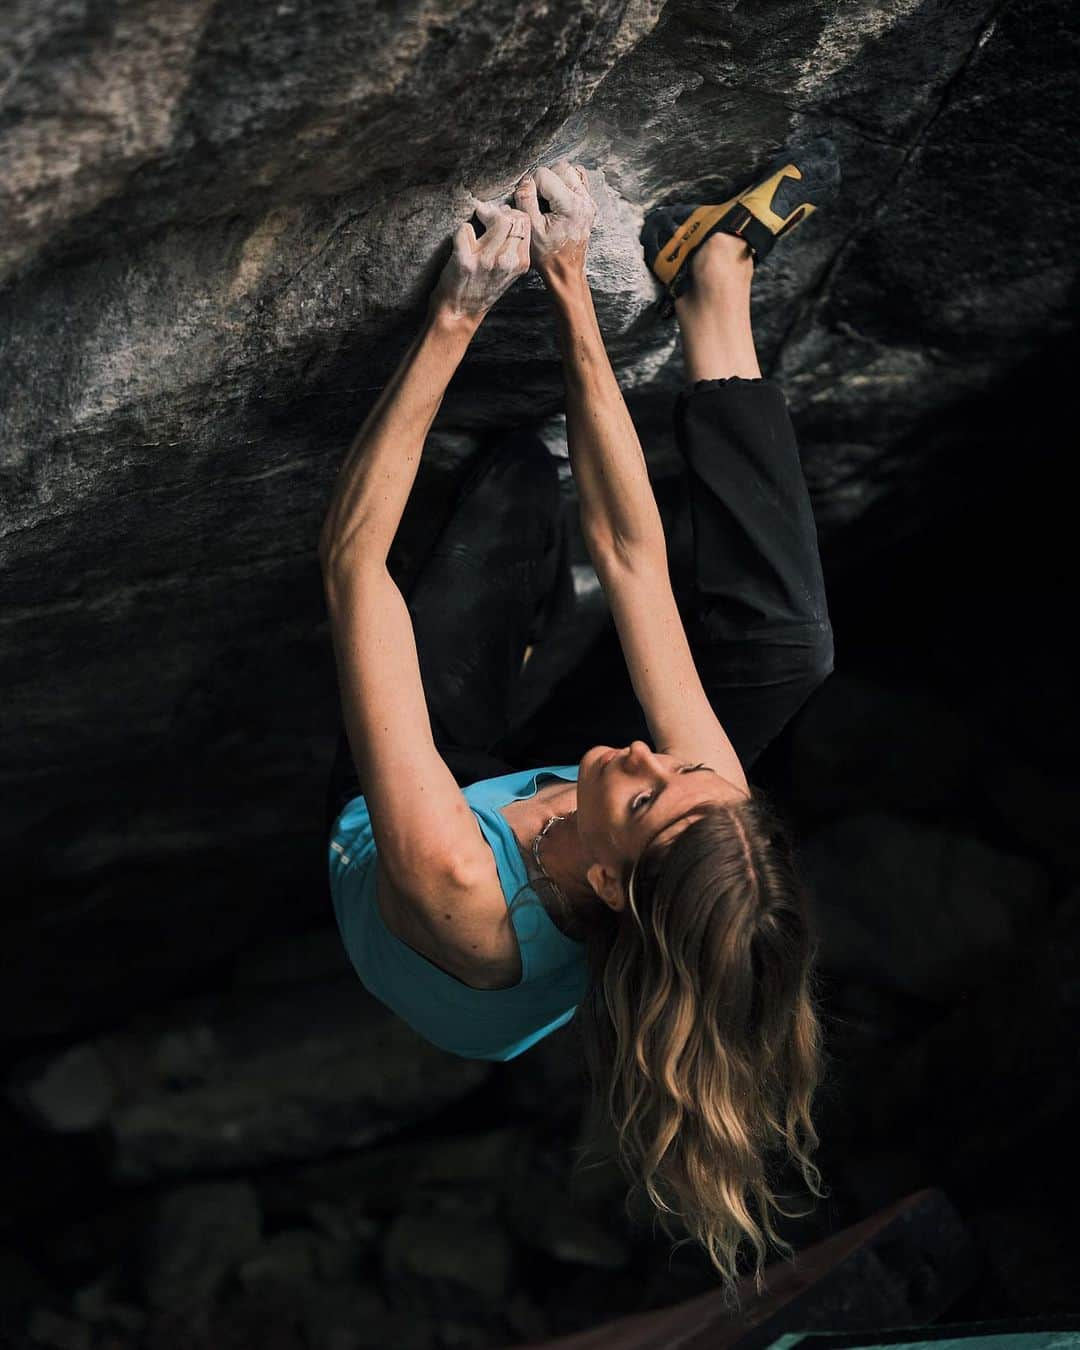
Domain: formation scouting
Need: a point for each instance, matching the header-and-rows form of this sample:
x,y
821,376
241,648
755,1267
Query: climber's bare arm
x,y
624,534
374,483
619,514
425,834
620,520
618,509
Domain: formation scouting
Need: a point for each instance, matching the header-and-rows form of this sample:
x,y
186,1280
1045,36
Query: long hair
x,y
700,1029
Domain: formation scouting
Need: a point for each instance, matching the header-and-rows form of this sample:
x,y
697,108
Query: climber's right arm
x,y
618,508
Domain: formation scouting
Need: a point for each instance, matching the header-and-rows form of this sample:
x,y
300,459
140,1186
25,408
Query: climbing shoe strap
x,y
750,216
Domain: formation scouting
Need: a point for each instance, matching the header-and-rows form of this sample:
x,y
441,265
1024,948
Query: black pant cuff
x,y
727,379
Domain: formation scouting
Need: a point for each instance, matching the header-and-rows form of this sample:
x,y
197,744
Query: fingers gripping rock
x,y
480,271
560,237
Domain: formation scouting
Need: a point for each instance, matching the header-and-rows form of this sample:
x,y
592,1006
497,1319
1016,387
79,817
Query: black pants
x,y
753,602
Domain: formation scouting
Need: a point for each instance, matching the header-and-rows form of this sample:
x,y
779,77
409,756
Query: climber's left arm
x,y
380,469
427,837
374,483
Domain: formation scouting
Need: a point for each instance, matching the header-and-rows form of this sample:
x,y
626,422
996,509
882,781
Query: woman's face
x,y
627,797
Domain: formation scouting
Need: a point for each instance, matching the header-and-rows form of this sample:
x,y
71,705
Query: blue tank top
x,y
474,1023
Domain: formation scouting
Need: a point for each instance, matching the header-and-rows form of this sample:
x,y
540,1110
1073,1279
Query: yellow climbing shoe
x,y
794,186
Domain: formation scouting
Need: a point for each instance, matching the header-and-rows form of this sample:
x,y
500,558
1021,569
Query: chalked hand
x,y
480,271
560,236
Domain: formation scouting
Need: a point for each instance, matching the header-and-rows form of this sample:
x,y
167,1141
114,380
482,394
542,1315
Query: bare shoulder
x,y
466,935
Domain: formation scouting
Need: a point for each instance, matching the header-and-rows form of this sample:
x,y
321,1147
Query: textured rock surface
x,y
294,1073
220,224
924,911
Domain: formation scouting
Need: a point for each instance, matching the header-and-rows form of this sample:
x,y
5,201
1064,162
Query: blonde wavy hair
x,y
701,1032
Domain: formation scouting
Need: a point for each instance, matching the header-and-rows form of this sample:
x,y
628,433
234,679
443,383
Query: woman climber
x,y
665,909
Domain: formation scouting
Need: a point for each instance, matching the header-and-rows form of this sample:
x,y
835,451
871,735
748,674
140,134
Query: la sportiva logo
x,y
683,239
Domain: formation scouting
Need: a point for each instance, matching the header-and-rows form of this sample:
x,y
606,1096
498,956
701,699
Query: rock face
x,y
220,223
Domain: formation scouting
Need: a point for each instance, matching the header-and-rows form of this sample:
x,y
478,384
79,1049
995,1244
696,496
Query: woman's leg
x,y
755,610
473,606
714,314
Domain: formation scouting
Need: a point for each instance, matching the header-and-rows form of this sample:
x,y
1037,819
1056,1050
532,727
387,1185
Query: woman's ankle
x,y
722,257
717,339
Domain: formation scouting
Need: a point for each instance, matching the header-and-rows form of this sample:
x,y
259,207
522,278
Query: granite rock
x,y
220,225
